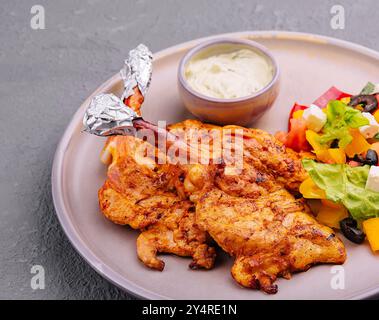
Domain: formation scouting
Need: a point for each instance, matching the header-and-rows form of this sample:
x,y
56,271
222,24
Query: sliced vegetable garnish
x,y
295,138
332,216
298,114
310,190
314,140
340,118
346,185
346,100
371,228
332,94
376,115
358,144
337,155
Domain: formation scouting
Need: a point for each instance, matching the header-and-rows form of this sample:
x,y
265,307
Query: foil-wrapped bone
x,y
107,115
137,71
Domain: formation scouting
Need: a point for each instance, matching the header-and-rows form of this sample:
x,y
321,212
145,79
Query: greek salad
x,y
340,134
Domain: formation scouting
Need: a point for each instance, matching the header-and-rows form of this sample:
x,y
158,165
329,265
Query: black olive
x,y
334,144
368,101
349,228
371,157
359,158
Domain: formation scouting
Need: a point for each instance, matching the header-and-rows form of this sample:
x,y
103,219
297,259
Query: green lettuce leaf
x,y
340,118
346,185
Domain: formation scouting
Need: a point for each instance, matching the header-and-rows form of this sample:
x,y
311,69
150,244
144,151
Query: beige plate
x,y
309,64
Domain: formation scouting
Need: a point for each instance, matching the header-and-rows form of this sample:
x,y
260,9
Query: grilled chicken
x,y
138,193
271,235
252,214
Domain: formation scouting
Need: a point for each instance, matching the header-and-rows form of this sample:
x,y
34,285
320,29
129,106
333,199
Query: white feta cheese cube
x,y
376,90
314,118
373,179
370,130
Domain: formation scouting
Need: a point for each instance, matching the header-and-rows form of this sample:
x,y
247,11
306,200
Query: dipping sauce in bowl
x,y
235,74
228,81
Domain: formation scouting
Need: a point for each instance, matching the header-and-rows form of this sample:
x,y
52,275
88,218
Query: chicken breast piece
x,y
270,236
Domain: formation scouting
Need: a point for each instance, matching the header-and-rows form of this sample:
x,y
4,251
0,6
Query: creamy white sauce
x,y
229,75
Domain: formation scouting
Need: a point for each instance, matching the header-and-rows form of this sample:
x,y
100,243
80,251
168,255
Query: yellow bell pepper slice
x,y
337,155
313,138
323,156
298,114
310,190
323,153
331,217
346,100
331,156
376,115
358,145
371,228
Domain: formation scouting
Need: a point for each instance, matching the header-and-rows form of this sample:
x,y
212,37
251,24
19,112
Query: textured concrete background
x,y
46,74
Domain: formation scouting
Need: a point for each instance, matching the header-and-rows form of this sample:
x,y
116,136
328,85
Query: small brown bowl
x,y
239,111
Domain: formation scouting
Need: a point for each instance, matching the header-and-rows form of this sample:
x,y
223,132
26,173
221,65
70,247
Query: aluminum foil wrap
x,y
137,71
107,115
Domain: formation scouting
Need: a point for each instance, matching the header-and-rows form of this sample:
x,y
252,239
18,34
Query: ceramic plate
x,y
309,64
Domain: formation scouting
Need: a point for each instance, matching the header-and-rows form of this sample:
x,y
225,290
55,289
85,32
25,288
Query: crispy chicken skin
x,y
137,193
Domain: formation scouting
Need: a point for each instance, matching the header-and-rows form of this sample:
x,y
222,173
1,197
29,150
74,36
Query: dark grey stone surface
x,y
46,74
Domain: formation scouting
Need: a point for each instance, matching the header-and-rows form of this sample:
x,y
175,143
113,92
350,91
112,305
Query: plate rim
x,y
56,172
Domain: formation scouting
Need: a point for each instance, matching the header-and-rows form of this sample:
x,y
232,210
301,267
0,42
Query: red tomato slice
x,y
332,94
296,139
